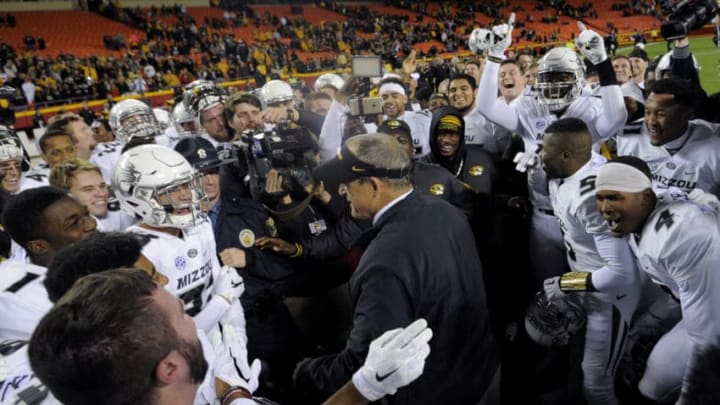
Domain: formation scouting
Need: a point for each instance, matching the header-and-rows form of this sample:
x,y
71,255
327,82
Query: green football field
x,y
707,54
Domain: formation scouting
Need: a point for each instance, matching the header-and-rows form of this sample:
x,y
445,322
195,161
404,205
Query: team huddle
x,y
163,264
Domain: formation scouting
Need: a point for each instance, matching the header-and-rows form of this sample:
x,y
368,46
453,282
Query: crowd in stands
x,y
167,55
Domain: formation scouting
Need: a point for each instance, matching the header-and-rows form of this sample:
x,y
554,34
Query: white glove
x,y
231,363
394,360
591,45
703,198
525,161
229,284
480,40
552,288
502,38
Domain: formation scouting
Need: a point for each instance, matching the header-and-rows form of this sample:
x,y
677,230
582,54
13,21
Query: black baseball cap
x,y
346,167
201,154
393,126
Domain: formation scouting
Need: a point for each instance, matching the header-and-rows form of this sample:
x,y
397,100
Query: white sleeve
x,y
490,105
614,113
619,273
243,401
211,314
332,129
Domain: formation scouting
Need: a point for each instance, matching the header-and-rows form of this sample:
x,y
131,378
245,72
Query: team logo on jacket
x,y
192,253
201,153
270,223
437,189
180,263
476,170
247,238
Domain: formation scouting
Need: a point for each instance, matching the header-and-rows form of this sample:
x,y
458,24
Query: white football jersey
x,y
23,299
480,131
34,179
18,383
575,206
190,263
695,163
589,242
115,221
679,249
105,155
419,123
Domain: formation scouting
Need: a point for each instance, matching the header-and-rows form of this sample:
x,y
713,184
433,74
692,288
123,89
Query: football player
x,y
676,243
42,221
602,270
558,95
85,182
681,152
160,187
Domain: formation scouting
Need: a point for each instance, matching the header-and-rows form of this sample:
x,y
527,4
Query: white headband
x,y
387,87
621,177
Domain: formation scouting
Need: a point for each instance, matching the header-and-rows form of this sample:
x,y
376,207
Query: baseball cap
x,y
639,53
392,127
450,123
346,167
199,152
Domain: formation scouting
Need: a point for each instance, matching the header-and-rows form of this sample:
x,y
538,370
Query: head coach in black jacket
x,y
419,260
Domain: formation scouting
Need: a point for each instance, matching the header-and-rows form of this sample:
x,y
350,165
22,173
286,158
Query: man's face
x,y
211,186
449,143
436,103
59,149
639,65
102,134
359,194
622,70
84,139
12,175
461,94
184,326
510,81
246,116
665,119
551,157
319,106
625,212
531,76
179,197
67,221
89,188
394,103
213,120
524,61
474,71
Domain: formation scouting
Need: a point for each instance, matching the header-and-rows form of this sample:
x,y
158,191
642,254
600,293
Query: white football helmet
x,y
276,92
328,80
10,145
158,186
552,323
201,95
480,40
132,118
184,121
560,78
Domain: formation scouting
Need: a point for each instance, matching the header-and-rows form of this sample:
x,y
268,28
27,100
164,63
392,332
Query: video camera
x,y
684,16
290,151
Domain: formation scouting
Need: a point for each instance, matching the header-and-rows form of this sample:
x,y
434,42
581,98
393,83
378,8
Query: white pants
x,y
666,366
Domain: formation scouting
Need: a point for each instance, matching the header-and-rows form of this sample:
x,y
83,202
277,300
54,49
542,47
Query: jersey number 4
x,y
665,219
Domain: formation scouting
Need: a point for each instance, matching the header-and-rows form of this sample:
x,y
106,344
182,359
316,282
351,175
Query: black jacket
x,y
420,261
432,179
471,164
